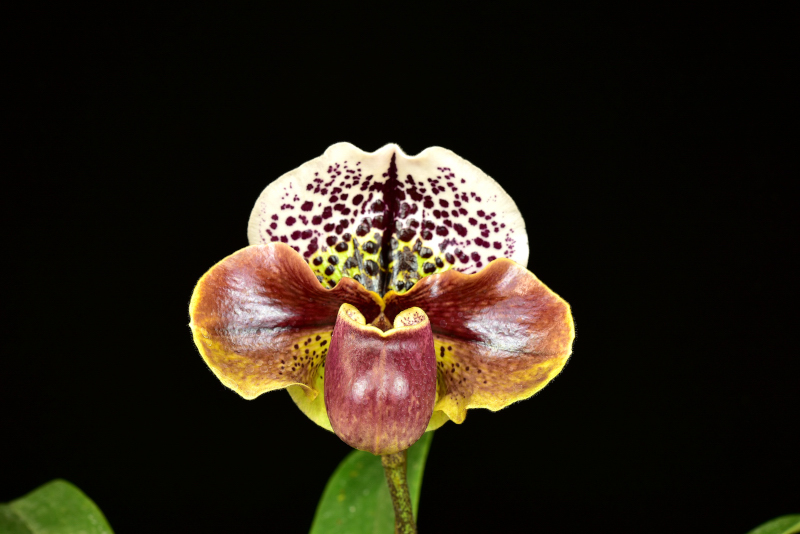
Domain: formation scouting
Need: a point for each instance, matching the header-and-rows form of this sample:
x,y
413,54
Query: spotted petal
x,y
263,322
387,219
500,335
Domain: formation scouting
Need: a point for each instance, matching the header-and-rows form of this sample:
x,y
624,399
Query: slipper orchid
x,y
387,293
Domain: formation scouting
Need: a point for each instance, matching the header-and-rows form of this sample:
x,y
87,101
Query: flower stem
x,y
394,467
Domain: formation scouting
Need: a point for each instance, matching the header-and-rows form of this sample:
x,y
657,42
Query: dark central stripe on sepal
x,y
391,195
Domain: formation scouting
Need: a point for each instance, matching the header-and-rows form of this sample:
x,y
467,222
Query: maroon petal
x,y
262,321
380,387
500,335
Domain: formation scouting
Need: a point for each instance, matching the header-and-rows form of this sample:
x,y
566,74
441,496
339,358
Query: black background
x,y
649,151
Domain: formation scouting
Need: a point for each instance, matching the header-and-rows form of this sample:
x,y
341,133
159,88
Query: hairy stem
x,y
394,467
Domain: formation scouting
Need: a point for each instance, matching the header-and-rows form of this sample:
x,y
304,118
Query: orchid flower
x,y
387,293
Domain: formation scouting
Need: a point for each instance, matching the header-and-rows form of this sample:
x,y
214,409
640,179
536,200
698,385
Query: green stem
x,y
394,467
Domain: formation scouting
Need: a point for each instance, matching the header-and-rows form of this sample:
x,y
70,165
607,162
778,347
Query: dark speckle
x,y
363,228
407,234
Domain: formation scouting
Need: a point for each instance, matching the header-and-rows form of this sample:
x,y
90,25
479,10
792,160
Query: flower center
x,y
382,323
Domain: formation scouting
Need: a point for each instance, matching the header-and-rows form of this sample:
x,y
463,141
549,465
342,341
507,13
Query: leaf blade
x,y
57,507
786,524
356,499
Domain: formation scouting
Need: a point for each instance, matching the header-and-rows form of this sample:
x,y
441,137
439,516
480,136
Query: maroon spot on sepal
x,y
380,387
363,228
407,234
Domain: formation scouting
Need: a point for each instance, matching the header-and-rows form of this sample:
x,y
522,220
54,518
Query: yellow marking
x,y
311,399
461,386
340,271
239,373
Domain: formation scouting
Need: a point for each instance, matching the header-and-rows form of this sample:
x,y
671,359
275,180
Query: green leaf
x,y
356,499
786,524
57,507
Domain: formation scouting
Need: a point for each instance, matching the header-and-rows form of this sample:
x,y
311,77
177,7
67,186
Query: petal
x,y
381,386
500,335
262,321
312,405
388,219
